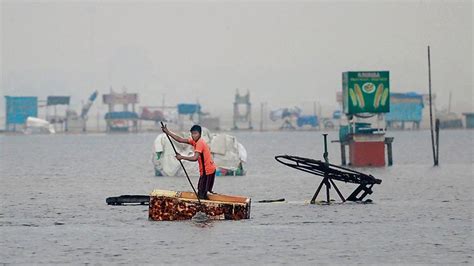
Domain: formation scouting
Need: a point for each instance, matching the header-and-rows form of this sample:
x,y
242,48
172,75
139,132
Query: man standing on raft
x,y
202,154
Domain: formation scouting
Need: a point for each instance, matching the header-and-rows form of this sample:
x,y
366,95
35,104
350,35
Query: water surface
x,y
53,210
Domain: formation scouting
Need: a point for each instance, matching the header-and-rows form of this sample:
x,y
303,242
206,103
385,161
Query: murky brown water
x,y
53,210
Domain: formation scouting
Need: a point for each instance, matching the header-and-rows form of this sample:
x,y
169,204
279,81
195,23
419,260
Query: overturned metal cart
x,y
331,172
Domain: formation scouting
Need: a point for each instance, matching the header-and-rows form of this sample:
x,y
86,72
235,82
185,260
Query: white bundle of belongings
x,y
34,125
228,155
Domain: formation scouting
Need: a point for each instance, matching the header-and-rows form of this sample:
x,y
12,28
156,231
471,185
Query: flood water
x,y
53,209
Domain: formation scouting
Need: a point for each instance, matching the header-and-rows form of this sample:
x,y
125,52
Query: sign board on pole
x,y
366,92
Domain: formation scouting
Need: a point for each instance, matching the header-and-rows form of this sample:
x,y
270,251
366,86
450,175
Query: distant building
x,y
121,120
405,107
469,120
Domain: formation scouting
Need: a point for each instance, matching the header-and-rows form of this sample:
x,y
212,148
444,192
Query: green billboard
x,y
366,92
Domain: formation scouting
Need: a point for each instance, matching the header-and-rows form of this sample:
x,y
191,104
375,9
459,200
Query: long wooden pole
x,y
184,169
431,109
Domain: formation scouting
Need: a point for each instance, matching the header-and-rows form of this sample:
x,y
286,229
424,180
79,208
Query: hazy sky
x,y
285,53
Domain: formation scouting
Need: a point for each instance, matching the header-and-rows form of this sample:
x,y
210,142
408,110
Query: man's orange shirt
x,y
201,147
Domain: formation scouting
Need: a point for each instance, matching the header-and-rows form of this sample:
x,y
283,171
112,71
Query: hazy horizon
x,y
285,54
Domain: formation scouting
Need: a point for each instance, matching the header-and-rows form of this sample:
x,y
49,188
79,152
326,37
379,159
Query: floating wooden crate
x,y
168,205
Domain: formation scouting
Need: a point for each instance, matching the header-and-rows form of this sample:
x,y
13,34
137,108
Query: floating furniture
x,y
168,205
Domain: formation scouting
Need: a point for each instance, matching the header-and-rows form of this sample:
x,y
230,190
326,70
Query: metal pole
x,y
326,177
325,154
389,154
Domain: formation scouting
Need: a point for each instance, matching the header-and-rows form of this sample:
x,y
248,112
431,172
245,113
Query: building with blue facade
x,y
405,107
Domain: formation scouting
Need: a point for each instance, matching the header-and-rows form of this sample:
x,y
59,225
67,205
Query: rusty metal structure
x,y
175,205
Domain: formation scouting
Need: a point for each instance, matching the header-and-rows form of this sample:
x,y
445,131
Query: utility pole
x,y
435,153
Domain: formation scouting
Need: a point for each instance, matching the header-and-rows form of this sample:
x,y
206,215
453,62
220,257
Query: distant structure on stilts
x,y
121,120
242,117
365,94
54,119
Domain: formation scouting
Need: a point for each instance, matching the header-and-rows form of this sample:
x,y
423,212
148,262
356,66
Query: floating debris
x,y
332,172
168,205
128,199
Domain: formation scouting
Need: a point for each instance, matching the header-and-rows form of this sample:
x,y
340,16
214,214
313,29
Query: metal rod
x,y
184,169
326,166
327,190
325,155
389,154
337,190
313,200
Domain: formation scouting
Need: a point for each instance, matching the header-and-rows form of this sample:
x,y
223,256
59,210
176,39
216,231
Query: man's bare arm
x,y
173,135
193,158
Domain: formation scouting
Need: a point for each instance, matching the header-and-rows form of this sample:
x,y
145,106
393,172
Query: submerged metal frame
x,y
331,172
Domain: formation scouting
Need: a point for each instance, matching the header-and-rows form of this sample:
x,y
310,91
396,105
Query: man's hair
x,y
196,128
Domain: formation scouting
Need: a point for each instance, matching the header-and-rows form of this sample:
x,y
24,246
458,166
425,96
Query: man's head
x,y
196,132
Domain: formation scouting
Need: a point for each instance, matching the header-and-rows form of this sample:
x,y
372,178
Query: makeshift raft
x,y
168,205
